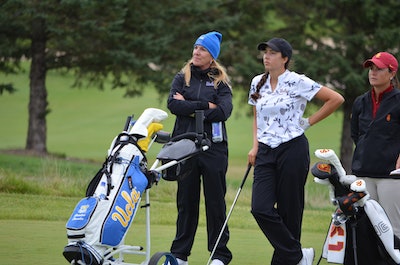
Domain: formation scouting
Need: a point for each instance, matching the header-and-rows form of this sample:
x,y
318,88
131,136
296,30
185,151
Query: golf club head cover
x,y
330,156
149,115
326,171
349,203
153,128
323,170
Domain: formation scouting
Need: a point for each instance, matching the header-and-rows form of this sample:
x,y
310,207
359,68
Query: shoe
x,y
216,262
308,256
182,262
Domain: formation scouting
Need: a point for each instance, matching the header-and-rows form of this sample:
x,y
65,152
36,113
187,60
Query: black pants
x,y
278,196
211,167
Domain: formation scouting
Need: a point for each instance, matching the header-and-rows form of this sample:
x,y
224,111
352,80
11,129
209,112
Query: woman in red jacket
x,y
375,130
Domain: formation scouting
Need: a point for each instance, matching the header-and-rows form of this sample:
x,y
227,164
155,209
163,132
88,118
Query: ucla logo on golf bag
x,y
123,216
125,205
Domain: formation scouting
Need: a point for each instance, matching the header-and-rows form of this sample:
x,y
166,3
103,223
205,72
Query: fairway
x,y
42,242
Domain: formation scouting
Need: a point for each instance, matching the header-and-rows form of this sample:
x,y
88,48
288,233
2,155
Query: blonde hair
x,y
218,76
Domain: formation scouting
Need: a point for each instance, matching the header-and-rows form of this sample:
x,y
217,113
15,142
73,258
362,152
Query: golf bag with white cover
x,y
360,232
101,220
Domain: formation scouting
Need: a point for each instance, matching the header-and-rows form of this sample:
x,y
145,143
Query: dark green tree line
x,y
131,43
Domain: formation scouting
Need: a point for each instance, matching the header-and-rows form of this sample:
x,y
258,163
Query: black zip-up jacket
x,y
377,139
197,95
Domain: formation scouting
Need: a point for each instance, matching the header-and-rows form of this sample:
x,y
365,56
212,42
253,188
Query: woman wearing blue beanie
x,y
203,84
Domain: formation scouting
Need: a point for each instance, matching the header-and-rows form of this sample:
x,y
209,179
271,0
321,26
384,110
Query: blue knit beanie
x,y
211,41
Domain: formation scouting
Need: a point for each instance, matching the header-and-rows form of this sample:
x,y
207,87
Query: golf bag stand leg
x,y
354,238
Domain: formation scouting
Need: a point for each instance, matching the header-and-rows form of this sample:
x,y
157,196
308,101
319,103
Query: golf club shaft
x,y
229,213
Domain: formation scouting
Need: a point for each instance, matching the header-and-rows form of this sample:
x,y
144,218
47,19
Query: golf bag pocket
x,y
80,218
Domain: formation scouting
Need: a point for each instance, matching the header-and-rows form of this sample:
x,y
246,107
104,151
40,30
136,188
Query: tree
x,y
333,38
44,33
127,43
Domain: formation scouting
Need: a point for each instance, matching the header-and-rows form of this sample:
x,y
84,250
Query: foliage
x,y
331,41
7,87
44,176
130,43
134,43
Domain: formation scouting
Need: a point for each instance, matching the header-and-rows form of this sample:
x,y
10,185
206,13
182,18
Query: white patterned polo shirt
x,y
278,112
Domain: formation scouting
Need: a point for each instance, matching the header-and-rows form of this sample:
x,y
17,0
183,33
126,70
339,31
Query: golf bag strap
x,y
113,158
131,140
109,161
95,181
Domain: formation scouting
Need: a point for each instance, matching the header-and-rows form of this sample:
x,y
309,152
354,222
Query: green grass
x,y
42,242
38,194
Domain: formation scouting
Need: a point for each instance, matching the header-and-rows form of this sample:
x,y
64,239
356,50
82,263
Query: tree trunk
x,y
37,130
346,147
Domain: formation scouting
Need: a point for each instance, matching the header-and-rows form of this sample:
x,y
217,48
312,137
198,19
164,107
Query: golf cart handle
x,y
199,135
199,115
189,135
162,137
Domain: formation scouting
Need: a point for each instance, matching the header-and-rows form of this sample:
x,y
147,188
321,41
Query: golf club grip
x,y
128,121
245,175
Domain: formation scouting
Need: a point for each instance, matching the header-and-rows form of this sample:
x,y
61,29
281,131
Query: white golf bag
x,y
102,219
99,223
360,232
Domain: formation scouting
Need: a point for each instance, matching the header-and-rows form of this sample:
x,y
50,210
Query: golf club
x,y
230,212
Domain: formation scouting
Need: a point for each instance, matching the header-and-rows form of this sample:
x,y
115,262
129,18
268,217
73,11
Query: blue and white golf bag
x,y
102,219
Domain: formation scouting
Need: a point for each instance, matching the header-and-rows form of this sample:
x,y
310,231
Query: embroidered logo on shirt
x,y
208,83
388,117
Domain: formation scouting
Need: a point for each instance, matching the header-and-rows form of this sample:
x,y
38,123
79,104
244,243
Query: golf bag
x,y
102,219
99,223
360,232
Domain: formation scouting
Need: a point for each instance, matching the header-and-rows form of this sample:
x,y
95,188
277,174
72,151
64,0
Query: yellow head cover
x,y
152,129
